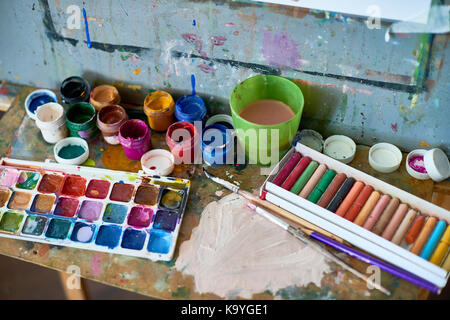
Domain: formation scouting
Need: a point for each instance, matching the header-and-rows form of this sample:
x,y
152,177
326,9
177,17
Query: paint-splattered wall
x,y
354,82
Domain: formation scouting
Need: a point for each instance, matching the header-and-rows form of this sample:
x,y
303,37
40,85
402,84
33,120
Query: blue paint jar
x,y
190,108
217,145
36,99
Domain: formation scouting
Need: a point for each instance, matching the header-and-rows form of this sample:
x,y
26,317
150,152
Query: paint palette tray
x,y
398,255
91,208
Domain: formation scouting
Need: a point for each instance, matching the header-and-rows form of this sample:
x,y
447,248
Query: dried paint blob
x,y
159,242
43,203
34,225
8,176
11,221
165,220
171,199
417,164
71,151
133,239
20,200
28,180
140,217
58,228
90,210
82,232
4,196
115,213
147,195
97,189
122,192
66,207
74,186
51,183
108,236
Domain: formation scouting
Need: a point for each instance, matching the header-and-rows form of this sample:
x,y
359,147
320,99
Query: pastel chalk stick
x,y
376,212
356,207
298,170
423,236
304,177
400,234
442,248
367,209
332,190
350,198
393,225
313,181
321,186
287,169
386,216
341,194
432,242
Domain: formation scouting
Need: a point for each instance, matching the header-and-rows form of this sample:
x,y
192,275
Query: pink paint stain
x,y
3,90
96,264
394,127
229,24
206,69
193,38
280,50
417,163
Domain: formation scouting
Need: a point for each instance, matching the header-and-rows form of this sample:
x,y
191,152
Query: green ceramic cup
x,y
266,87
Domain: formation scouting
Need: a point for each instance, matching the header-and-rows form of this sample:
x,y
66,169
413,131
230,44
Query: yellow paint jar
x,y
159,107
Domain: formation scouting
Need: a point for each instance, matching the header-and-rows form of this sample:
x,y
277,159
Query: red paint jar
x,y
183,140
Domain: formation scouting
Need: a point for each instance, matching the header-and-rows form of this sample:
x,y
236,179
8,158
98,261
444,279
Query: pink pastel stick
x,y
395,221
376,212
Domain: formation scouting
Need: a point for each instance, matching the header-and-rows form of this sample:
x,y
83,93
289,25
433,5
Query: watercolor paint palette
x,y
91,208
288,192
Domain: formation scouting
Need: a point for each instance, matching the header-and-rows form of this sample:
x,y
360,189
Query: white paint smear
x,y
233,252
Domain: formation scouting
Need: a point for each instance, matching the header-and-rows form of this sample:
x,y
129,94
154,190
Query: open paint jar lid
x,y
158,162
223,119
424,164
38,98
71,150
385,157
340,147
312,139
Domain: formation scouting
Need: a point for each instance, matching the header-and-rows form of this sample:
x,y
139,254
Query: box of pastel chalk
x,y
91,208
299,184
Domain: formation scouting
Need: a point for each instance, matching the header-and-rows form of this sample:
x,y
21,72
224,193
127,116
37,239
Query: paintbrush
x,y
324,238
305,226
303,237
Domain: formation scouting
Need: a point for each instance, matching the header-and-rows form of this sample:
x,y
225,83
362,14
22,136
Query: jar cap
x,y
437,164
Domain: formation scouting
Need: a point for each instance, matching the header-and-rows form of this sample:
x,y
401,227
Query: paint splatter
x,y
96,264
193,23
136,71
423,143
236,33
289,56
229,24
394,127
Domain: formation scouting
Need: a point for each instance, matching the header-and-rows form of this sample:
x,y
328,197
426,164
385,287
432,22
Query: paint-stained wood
x,y
159,279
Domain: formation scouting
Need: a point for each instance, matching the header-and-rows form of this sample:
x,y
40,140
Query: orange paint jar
x,y
159,107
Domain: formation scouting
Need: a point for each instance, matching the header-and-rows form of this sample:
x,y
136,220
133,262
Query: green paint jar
x,y
266,150
81,121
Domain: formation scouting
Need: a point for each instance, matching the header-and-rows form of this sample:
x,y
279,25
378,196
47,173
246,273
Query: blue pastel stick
x,y
88,39
433,240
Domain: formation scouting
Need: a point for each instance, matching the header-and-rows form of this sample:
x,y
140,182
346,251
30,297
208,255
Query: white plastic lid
x,y
158,162
437,164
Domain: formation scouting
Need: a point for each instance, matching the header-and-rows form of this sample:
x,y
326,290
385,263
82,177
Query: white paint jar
x,y
52,122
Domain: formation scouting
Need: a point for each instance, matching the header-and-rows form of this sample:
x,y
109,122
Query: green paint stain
x,y
89,163
175,185
181,293
343,107
11,221
108,177
71,151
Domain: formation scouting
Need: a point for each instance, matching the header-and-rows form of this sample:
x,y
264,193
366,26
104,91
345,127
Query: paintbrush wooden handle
x,y
308,227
